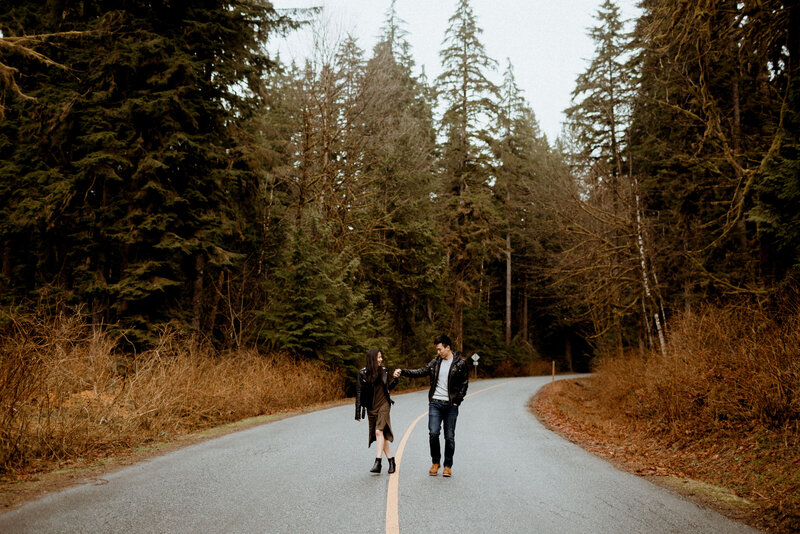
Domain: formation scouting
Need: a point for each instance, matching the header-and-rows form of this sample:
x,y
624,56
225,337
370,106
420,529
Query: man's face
x,y
441,350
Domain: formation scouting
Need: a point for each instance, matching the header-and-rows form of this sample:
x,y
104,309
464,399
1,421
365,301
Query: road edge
x,y
717,498
16,492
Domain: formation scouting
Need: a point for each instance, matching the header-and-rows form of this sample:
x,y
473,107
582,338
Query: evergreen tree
x,y
351,68
125,200
778,195
603,226
466,194
517,137
706,134
401,255
603,91
318,309
394,34
775,34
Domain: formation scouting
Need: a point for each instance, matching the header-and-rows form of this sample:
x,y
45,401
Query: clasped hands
x,y
397,373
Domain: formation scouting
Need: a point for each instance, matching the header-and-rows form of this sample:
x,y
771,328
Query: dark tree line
x,y
160,170
687,162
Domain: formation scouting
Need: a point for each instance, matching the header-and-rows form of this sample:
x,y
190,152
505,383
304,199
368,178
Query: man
x,y
449,376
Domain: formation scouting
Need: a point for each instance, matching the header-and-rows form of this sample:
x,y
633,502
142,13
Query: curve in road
x,y
310,474
392,519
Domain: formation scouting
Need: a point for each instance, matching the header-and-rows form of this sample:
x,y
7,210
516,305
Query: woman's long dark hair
x,y
372,365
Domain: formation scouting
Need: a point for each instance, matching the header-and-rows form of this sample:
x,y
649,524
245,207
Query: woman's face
x,y
380,358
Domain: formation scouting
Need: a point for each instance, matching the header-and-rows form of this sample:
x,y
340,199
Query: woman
x,y
372,396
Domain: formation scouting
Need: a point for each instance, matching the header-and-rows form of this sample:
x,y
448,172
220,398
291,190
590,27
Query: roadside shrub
x,y
735,364
68,392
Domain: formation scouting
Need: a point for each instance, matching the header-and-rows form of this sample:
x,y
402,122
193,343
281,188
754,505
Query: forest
x,y
195,231
162,172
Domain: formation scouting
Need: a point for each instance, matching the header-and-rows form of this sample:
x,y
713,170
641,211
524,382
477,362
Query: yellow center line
x,y
392,496
392,520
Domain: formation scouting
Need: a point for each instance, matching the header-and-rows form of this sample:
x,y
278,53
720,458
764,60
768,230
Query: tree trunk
x,y
568,351
643,263
265,229
458,319
687,283
646,324
525,312
737,149
480,287
197,297
123,266
212,316
618,329
508,289
660,335
6,267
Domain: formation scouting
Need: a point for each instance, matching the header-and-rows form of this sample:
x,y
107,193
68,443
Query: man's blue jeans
x,y
442,412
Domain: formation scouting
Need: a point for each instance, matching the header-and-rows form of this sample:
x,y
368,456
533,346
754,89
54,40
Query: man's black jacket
x,y
458,379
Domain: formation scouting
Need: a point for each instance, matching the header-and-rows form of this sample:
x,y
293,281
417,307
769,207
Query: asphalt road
x,y
310,474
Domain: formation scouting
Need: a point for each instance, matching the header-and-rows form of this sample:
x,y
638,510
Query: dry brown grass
x,y
68,393
723,366
722,407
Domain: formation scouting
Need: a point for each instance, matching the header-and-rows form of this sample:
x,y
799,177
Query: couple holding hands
x,y
449,378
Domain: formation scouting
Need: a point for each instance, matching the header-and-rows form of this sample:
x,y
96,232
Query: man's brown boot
x,y
447,472
434,470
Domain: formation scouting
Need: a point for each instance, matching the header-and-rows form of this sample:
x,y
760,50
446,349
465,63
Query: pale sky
x,y
545,40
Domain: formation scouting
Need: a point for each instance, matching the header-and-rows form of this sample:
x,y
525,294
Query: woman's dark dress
x,y
378,416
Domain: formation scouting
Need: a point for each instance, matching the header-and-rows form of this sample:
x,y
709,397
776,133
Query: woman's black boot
x,y
377,467
391,466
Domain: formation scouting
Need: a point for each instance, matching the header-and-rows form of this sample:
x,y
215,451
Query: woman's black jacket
x,y
365,391
457,380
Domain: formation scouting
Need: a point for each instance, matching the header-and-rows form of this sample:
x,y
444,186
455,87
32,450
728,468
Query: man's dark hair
x,y
443,339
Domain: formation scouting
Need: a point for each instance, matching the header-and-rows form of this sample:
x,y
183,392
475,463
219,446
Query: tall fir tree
x,y
774,38
401,256
318,309
602,227
602,96
116,181
520,151
469,216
